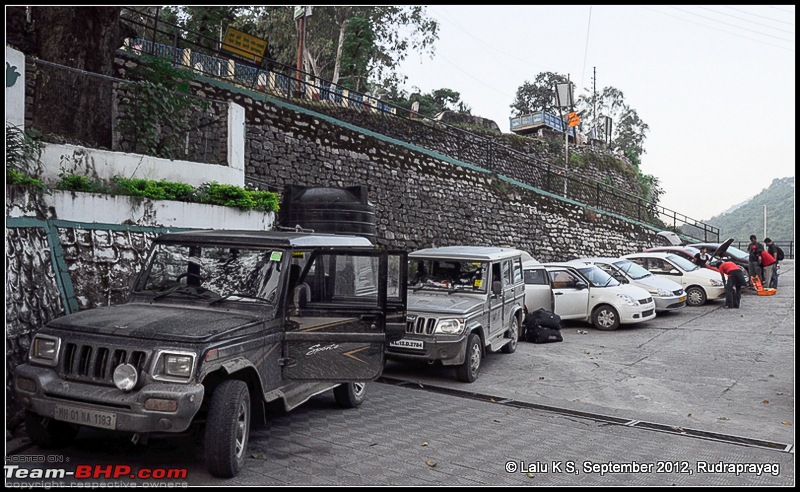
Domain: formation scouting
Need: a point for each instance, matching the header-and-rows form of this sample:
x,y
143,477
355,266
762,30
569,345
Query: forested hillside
x,y
749,218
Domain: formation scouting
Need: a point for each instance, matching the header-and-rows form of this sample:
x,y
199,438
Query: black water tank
x,y
329,209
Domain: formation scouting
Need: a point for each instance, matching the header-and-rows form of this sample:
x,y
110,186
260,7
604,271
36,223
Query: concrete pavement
x,y
704,396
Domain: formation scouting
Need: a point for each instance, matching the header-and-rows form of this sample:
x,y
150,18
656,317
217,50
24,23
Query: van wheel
x,y
513,332
468,370
350,395
227,429
605,318
695,296
48,433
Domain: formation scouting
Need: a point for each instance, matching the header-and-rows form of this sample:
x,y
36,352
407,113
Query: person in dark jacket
x,y
733,284
754,261
777,253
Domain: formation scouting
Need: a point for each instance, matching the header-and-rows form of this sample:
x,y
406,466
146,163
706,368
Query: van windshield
x,y
447,274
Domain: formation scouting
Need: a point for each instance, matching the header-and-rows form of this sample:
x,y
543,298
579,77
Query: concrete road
x,y
704,396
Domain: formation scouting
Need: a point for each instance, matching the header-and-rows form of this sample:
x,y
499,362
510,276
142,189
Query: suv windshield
x,y
212,272
447,274
633,270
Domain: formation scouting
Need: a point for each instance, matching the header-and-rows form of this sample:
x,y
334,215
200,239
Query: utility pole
x,y
765,222
593,131
564,100
300,16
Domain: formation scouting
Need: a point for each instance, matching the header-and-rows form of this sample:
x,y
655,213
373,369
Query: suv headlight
x,y
630,301
450,326
44,349
174,365
715,282
660,292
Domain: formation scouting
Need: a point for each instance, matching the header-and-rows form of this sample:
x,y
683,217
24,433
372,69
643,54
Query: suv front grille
x,y
96,364
646,301
421,326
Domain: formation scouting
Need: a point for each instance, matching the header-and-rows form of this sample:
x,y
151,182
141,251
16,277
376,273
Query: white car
x,y
668,294
701,284
577,291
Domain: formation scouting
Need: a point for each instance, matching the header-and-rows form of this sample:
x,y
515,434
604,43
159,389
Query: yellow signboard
x,y
244,45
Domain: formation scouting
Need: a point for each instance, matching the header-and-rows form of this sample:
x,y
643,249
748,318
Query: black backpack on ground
x,y
542,326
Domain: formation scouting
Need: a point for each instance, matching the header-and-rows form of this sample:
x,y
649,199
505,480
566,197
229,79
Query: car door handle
x,y
558,293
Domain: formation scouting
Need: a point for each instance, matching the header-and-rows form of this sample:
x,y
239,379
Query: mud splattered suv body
x,y
219,323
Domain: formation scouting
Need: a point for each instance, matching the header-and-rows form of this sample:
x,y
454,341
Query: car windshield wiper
x,y
181,289
237,294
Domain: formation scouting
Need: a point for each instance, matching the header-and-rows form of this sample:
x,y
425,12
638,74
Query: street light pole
x,y
566,156
564,100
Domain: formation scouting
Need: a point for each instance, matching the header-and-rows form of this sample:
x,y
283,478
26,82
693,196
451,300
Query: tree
x,y
355,53
85,38
628,130
539,95
430,104
384,36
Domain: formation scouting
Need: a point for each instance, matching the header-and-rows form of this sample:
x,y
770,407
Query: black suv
x,y
219,323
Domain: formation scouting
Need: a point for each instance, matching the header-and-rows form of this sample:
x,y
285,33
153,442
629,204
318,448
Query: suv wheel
x,y
513,334
48,433
350,395
468,370
605,318
227,429
695,296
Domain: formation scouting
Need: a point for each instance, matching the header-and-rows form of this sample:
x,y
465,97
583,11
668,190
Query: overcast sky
x,y
715,84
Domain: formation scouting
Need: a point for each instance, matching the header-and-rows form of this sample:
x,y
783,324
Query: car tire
x,y
513,331
468,371
48,433
350,395
605,318
227,429
695,296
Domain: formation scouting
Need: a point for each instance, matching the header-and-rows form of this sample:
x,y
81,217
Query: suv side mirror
x,y
580,285
497,287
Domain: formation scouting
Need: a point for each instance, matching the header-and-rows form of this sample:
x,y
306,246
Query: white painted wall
x,y
116,209
104,165
15,93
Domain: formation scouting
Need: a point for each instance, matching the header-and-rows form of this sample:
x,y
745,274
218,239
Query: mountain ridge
x,y
746,218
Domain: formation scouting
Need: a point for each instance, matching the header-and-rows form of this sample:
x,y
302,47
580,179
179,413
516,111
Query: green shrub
x,y
235,196
17,177
155,190
77,182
